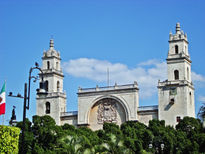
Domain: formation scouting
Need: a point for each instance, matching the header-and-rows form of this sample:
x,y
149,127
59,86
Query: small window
x,y
176,75
58,85
46,85
178,119
176,49
48,65
48,108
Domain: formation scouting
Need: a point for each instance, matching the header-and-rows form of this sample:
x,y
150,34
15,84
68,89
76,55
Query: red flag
x,y
2,100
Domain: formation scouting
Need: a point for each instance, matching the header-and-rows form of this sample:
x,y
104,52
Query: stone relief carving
x,y
107,111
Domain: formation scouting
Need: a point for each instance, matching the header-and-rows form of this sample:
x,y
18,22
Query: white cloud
x,y
96,70
197,77
149,62
146,73
201,99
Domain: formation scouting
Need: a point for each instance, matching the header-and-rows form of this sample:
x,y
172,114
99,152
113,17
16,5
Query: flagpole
x,y
108,77
3,119
3,116
5,103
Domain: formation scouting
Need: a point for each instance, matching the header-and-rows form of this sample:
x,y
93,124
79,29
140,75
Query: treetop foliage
x,y
9,138
44,136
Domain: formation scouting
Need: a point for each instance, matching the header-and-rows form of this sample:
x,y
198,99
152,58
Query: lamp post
x,y
27,99
158,150
162,147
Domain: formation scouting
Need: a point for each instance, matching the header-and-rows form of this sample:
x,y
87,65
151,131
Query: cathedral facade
x,y
120,103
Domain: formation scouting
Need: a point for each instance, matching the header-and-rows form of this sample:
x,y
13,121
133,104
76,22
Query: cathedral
x,y
120,103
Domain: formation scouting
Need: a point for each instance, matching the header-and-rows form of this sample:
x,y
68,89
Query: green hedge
x,y
9,139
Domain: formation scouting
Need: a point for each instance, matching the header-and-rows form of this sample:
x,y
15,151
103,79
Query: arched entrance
x,y
106,110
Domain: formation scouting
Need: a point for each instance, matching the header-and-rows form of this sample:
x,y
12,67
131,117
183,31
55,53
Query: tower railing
x,y
52,70
178,55
178,82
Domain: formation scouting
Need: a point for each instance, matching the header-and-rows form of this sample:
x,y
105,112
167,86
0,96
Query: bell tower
x,y
178,60
176,94
54,103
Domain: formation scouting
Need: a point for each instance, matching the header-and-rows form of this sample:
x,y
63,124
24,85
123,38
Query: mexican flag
x,y
2,100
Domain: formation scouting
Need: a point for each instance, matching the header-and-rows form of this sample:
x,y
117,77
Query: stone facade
x,y
120,103
147,113
123,100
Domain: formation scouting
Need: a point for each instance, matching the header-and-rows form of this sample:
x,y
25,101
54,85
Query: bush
x,y
9,138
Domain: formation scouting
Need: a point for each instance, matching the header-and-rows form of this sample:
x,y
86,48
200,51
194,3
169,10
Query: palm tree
x,y
201,114
115,145
70,144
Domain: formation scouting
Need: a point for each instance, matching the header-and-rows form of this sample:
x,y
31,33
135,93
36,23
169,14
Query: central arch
x,y
106,109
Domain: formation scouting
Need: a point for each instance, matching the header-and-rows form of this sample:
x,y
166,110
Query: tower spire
x,y
51,43
177,27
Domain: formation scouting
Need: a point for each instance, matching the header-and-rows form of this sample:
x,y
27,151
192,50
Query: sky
x,y
130,37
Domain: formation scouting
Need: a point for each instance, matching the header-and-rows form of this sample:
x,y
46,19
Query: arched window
x,y
46,85
176,49
187,73
176,75
48,65
57,65
58,85
48,108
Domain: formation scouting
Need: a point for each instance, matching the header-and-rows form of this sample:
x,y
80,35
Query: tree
x,y
70,144
134,145
189,125
200,140
9,139
28,136
41,137
192,128
163,135
44,136
46,132
201,113
112,128
138,133
115,145
91,136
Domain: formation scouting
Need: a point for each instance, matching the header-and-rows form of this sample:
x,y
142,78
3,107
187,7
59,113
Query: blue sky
x,y
130,37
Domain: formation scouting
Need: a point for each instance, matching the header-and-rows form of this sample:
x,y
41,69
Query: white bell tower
x,y
54,103
176,95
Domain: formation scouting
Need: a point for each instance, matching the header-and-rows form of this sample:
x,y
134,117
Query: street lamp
x,y
150,146
157,148
26,98
162,147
